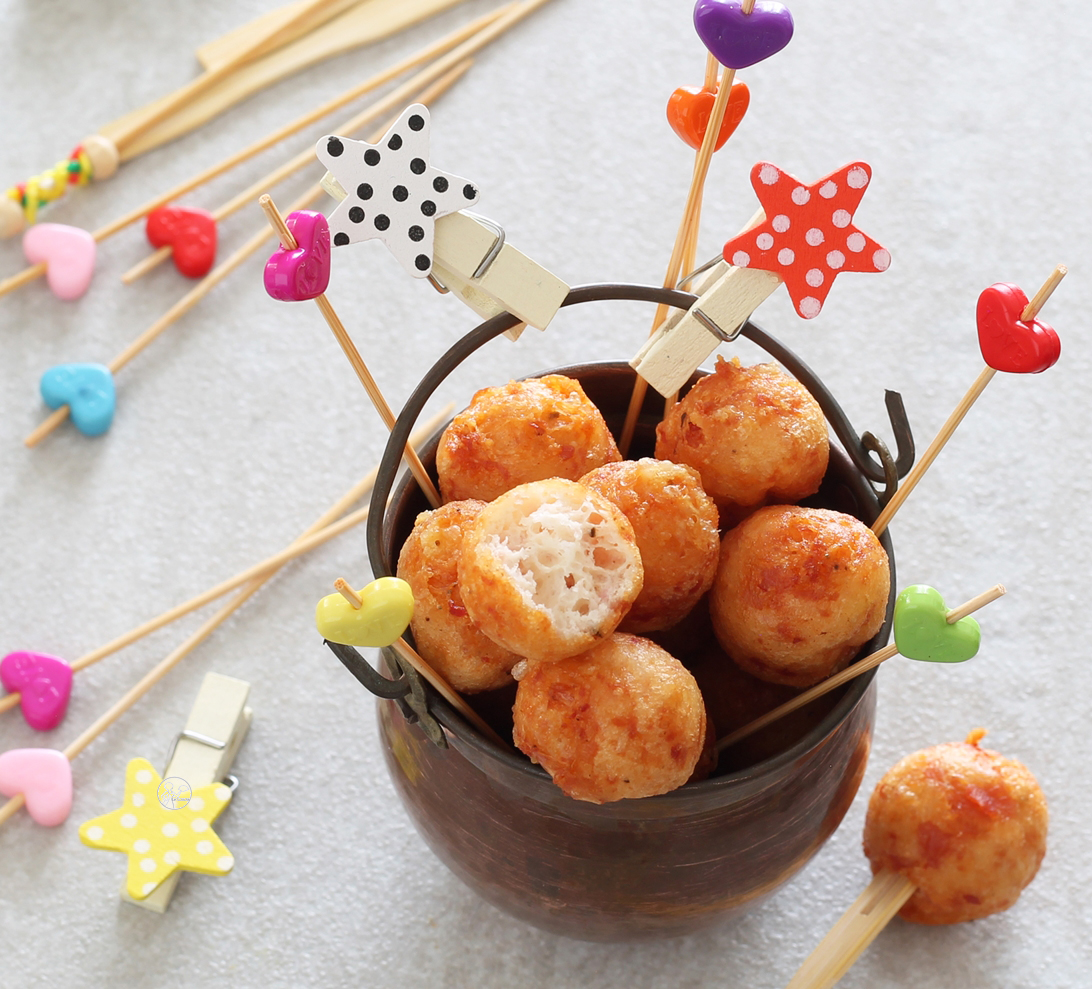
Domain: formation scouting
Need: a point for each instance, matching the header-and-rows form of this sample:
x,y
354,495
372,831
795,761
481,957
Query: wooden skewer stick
x,y
341,585
267,42
691,219
418,87
850,672
447,43
869,914
302,545
161,669
206,285
276,221
910,481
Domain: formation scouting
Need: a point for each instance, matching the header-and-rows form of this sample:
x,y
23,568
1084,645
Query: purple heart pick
x,y
304,272
45,683
737,39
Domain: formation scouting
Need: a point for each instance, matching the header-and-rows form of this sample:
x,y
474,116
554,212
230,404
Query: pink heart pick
x,y
303,272
45,683
69,255
43,777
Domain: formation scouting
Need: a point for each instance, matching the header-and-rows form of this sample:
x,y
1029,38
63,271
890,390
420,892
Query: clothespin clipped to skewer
x,y
164,824
389,191
804,237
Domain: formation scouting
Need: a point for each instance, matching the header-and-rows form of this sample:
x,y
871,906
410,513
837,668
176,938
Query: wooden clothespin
x,y
389,191
164,825
803,236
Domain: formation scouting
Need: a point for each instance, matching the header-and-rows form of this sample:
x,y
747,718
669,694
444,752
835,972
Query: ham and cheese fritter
x,y
549,569
675,523
798,591
445,635
755,434
522,431
623,720
967,826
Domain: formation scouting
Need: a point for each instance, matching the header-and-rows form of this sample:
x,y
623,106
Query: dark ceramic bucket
x,y
636,869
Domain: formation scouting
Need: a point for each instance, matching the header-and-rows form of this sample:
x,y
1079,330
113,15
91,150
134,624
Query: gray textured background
x,y
238,428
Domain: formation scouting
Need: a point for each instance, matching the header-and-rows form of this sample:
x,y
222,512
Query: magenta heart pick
x,y
303,272
737,39
43,777
45,683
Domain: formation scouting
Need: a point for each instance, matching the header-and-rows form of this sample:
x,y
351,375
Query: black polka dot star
x,y
396,196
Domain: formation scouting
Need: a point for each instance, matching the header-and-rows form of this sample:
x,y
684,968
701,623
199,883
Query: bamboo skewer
x,y
207,284
869,914
438,49
302,545
394,99
849,673
276,222
688,229
1031,310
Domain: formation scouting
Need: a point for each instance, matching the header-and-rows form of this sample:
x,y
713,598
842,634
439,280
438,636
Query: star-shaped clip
x,y
393,192
162,828
808,237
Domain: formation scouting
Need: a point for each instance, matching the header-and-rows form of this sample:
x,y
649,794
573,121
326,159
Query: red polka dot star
x,y
808,236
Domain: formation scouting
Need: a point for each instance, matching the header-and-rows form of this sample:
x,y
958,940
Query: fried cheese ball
x,y
798,591
675,523
445,635
549,569
522,431
967,826
625,719
755,434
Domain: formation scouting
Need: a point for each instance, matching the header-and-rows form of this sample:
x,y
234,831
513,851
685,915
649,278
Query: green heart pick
x,y
922,631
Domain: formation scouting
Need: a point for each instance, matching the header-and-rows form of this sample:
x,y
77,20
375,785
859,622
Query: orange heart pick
x,y
689,108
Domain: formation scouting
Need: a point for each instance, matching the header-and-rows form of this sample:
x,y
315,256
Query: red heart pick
x,y
190,232
689,108
1008,343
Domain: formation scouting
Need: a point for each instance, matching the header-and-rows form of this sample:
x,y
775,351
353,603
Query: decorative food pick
x,y
1011,339
44,684
191,235
804,237
372,617
953,833
302,271
161,831
40,777
314,225
689,110
395,195
68,254
924,630
88,392
739,34
42,687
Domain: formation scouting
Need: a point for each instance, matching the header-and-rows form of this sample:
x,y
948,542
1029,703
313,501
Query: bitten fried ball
x,y
549,568
798,591
625,719
445,635
522,431
675,523
755,434
965,825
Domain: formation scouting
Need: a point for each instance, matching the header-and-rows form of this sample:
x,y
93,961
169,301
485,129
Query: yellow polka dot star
x,y
161,836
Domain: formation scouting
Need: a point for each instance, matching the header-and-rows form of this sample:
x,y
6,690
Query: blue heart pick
x,y
87,390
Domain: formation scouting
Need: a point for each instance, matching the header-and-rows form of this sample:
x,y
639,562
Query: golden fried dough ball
x,y
624,719
675,523
965,825
522,431
755,434
445,635
798,591
549,568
